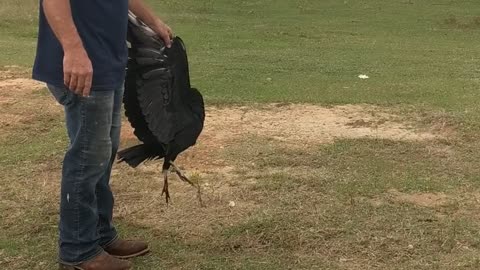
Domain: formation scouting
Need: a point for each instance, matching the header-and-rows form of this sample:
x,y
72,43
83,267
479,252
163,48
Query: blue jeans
x,y
86,204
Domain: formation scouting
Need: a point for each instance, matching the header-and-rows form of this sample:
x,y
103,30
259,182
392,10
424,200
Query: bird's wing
x,y
162,82
189,101
132,107
154,90
147,83
162,94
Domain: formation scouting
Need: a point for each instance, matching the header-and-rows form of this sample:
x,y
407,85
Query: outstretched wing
x,y
145,53
154,97
162,96
132,107
162,85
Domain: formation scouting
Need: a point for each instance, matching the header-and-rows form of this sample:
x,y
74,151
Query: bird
x,y
166,113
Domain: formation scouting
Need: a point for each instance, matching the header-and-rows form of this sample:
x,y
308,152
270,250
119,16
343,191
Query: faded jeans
x,y
86,205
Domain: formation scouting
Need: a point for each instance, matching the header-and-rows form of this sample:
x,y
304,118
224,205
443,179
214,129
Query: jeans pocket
x,y
61,94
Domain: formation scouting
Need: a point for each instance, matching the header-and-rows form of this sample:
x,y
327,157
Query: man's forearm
x,y
59,17
143,12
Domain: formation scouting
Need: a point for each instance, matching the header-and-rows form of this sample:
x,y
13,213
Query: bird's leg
x,y
182,176
165,186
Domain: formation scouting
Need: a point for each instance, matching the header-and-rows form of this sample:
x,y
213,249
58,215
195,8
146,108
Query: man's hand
x,y
164,32
146,15
77,71
77,68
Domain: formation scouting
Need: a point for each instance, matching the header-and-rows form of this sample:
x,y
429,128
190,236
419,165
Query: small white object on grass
x,y
231,204
363,76
410,246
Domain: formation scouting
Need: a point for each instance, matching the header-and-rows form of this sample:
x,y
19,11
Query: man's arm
x,y
145,14
77,67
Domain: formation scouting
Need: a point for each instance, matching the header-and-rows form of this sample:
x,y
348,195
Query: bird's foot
x,y
165,186
182,176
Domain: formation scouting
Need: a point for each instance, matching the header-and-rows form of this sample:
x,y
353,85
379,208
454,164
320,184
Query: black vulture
x,y
167,115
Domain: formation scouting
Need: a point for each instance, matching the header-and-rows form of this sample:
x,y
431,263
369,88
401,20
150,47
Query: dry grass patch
x,y
294,186
421,199
25,105
310,124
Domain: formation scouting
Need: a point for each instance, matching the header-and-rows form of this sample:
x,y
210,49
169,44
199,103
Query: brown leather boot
x,y
102,262
126,249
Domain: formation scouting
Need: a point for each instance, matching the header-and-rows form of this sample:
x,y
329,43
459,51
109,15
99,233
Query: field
x,y
302,164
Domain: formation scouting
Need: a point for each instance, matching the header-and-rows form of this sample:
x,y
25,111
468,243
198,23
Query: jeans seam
x,y
107,227
82,168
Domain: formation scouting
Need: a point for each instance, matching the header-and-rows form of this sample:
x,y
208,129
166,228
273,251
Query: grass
x,y
415,52
352,204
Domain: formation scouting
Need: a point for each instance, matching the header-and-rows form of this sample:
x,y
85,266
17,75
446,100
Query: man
x,y
82,55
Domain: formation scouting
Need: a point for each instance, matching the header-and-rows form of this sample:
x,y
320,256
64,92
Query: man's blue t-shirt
x,y
102,26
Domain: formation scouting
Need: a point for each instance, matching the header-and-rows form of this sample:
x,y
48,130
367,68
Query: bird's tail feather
x,y
137,154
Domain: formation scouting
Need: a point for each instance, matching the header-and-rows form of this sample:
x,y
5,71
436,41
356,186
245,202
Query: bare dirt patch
x,y
13,72
22,103
309,124
296,125
20,84
13,90
430,200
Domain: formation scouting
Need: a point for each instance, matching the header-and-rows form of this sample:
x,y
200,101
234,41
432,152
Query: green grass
x,y
314,206
415,52
18,28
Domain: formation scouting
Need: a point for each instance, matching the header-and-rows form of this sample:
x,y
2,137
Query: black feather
x,y
137,154
167,114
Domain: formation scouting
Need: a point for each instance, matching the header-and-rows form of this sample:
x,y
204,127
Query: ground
x,y
302,164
